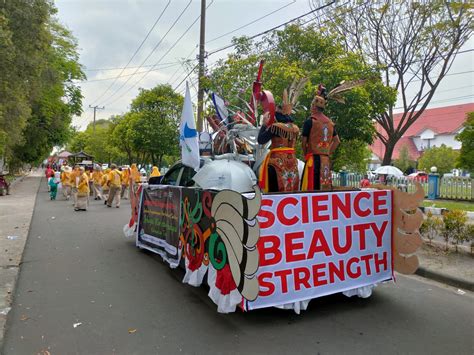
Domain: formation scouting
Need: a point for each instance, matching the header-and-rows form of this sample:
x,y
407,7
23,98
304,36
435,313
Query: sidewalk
x,y
16,211
449,267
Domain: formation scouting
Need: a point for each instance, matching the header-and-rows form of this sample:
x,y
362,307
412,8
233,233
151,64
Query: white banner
x,y
316,244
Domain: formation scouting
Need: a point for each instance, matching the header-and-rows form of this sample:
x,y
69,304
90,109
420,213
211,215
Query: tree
x,y
353,154
154,122
466,137
38,66
297,52
404,163
444,158
412,43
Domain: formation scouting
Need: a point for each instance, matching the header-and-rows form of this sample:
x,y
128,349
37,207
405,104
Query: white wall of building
x,y
447,139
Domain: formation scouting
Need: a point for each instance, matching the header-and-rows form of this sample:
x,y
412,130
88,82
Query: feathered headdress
x,y
290,97
322,96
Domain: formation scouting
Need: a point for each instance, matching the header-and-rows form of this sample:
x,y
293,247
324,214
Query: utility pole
x,y
95,110
202,54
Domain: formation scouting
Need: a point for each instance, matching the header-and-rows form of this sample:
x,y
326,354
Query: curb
x,y
447,279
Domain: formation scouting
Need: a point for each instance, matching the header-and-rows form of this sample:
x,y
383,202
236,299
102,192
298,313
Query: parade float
x,y
256,250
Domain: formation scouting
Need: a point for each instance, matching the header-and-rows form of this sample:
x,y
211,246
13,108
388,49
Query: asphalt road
x,y
78,268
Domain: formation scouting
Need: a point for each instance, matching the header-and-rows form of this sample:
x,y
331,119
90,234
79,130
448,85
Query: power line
x,y
152,51
118,68
123,76
274,28
135,53
250,23
162,57
172,75
191,71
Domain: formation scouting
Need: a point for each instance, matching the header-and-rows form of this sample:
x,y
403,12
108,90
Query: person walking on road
x,y
96,182
105,185
125,181
154,176
83,191
74,180
66,181
53,183
115,185
49,174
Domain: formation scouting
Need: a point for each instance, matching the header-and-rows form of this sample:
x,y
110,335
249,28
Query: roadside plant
x,y
470,235
431,227
455,227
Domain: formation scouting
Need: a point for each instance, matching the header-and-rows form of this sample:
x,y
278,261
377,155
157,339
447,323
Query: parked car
x,y
420,176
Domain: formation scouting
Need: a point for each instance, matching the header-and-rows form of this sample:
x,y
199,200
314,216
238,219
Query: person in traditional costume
x,y
279,171
154,176
319,141
115,185
66,181
125,181
105,185
96,182
83,191
135,176
74,180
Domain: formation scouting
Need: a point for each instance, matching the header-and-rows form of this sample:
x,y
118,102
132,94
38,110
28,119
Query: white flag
x,y
188,137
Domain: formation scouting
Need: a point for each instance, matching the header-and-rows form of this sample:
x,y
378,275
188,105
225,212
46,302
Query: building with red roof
x,y
435,126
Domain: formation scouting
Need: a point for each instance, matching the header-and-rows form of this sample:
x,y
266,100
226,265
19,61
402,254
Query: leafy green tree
x,y
154,124
466,137
38,66
353,154
404,163
443,157
297,52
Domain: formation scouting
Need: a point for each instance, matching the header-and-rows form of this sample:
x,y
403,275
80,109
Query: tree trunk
x,y
389,148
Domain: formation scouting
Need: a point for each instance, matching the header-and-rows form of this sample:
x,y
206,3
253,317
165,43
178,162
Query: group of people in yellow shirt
x,y
109,185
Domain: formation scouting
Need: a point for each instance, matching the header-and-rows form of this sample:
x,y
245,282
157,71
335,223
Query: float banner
x,y
158,226
316,244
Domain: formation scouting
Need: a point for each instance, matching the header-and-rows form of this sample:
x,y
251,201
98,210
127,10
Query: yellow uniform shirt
x,y
83,186
97,177
115,178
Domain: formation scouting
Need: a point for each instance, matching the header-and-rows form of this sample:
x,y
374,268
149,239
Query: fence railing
x,y
452,188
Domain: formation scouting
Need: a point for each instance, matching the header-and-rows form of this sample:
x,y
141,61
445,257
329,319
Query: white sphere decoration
x,y
434,169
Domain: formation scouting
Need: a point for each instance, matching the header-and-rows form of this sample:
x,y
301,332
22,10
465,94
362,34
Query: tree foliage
x,y
466,137
404,163
146,134
412,43
297,52
38,64
443,157
352,154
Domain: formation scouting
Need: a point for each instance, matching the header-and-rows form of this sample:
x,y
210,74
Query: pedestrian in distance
x,y
97,182
74,180
82,199
125,181
115,185
49,173
365,182
105,185
66,181
154,176
53,183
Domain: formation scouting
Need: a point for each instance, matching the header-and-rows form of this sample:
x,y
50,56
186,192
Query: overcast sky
x,y
109,32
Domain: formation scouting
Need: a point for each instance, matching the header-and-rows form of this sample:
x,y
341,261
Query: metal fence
x,y
451,188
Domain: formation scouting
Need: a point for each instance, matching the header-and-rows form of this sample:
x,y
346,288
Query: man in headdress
x,y
319,140
279,171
